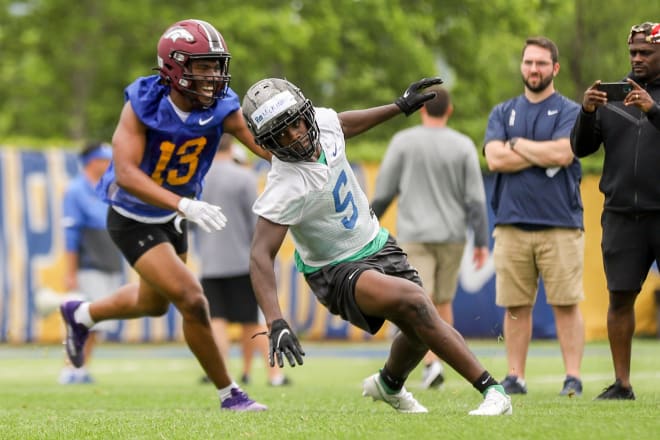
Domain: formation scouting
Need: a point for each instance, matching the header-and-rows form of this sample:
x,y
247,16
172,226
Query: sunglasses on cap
x,y
650,30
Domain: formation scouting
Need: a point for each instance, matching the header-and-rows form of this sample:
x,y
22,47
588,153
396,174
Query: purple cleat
x,y
76,334
239,401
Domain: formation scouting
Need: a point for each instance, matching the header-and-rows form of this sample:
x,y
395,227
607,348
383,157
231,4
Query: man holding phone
x,y
616,91
630,133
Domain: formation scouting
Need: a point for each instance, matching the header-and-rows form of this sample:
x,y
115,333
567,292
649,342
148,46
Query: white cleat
x,y
403,401
433,375
495,404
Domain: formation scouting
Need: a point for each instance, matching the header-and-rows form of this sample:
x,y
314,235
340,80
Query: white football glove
x,y
208,217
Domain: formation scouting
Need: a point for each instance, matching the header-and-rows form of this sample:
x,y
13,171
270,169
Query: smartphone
x,y
616,91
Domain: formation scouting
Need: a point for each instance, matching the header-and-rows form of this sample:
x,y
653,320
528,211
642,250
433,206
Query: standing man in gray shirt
x,y
434,171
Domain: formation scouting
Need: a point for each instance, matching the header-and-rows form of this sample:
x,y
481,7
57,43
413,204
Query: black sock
x,y
484,381
393,383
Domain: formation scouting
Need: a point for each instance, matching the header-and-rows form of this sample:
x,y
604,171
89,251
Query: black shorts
x,y
135,238
232,299
630,243
334,285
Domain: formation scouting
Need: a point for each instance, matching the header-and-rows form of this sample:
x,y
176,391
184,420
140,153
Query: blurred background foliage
x,y
65,64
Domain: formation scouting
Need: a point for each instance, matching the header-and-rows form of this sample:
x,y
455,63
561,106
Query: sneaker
x,y
239,401
67,376
432,376
83,376
76,334
71,376
403,401
280,381
245,379
572,387
616,392
513,385
496,403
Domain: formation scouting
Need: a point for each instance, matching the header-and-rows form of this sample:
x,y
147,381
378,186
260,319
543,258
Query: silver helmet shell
x,y
269,107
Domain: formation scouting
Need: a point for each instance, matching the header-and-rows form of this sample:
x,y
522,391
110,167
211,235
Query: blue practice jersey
x,y
178,154
535,195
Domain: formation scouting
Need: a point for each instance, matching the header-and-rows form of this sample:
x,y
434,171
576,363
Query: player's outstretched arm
x,y
415,95
235,125
266,242
354,122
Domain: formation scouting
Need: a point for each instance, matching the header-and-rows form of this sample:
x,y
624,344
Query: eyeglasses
x,y
650,30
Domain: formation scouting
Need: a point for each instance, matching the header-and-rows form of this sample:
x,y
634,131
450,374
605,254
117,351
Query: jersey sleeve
x,y
282,200
495,130
567,118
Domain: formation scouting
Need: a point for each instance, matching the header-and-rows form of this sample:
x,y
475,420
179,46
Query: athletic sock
x,y
82,316
225,393
484,381
391,383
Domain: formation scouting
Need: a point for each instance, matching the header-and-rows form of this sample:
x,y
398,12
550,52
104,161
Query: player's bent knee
x,y
195,308
414,306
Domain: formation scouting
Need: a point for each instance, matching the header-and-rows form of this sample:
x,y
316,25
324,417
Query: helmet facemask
x,y
190,82
194,41
273,105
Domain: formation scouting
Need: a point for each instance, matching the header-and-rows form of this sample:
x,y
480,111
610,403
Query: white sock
x,y
82,316
225,392
277,380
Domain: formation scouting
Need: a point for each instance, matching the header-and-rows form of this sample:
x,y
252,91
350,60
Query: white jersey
x,y
324,206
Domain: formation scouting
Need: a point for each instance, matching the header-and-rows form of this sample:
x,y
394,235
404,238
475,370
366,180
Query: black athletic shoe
x,y
616,392
513,385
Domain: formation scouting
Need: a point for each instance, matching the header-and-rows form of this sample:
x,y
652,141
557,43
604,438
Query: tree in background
x,y
65,64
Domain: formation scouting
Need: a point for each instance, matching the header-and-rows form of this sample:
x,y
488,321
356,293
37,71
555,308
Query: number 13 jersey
x,y
178,151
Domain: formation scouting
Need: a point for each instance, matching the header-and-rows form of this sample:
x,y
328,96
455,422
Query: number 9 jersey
x,y
322,202
179,147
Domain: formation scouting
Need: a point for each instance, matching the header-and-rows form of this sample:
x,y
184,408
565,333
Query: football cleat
x,y
76,334
239,401
403,401
495,403
432,376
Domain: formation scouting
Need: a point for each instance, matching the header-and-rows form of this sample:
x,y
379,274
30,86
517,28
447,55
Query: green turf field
x,y
152,392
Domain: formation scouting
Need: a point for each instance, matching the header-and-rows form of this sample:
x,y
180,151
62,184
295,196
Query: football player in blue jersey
x,y
164,143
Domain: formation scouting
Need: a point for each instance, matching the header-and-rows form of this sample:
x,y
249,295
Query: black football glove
x,y
414,97
283,342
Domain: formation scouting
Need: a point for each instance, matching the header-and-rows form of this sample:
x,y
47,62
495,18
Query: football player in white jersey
x,y
353,265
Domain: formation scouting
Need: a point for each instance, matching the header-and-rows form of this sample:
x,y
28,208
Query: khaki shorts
x,y
556,255
438,264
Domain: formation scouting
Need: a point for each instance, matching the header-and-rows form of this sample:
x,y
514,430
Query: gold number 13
x,y
187,153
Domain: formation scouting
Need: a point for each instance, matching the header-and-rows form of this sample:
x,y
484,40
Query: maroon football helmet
x,y
190,40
